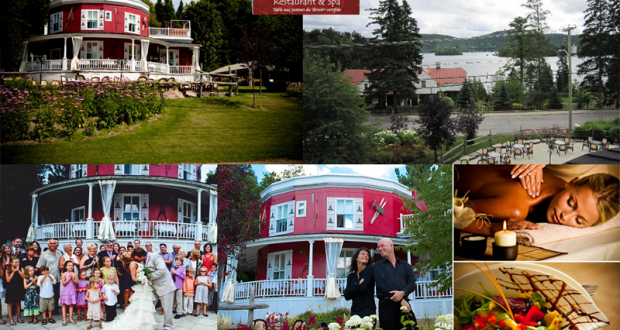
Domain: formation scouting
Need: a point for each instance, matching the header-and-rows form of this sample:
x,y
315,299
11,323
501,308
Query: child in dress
x,y
100,283
14,290
46,282
107,269
31,304
94,297
81,303
188,292
110,291
178,276
68,295
201,297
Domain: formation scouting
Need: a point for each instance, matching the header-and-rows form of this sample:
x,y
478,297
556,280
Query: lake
x,y
484,65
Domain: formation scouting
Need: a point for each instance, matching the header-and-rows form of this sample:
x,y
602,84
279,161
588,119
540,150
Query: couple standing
x,y
140,314
394,279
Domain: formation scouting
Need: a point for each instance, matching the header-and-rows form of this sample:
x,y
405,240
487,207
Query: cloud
x,y
381,171
308,169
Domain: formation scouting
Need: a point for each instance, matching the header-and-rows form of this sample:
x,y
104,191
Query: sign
x,y
306,7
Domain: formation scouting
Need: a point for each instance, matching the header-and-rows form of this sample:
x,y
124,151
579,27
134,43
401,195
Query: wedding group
x,y
91,286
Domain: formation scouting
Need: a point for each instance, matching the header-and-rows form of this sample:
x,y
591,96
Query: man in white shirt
x,y
46,282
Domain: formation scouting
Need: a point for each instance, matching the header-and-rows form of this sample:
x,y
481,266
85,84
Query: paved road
x,y
510,122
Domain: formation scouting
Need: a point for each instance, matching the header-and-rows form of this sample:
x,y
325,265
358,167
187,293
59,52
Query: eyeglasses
x,y
383,245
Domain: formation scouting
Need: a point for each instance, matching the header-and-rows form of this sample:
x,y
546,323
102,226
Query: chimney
x,y
45,29
437,65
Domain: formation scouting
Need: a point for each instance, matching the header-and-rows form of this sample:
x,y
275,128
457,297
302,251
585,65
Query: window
x,y
56,22
187,173
343,262
281,214
77,214
76,170
279,262
187,210
92,50
55,54
133,22
301,209
131,207
423,83
91,19
136,51
129,169
344,213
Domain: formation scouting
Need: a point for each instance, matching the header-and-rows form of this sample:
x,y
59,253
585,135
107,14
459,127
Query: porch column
x,y
64,56
22,66
310,292
409,257
133,65
167,60
35,210
89,220
198,221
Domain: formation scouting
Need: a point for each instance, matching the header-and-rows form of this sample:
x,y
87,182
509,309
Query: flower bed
x,y
39,112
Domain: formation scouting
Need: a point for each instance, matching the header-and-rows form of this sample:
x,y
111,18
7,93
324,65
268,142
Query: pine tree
x,y
153,21
466,96
159,11
502,101
436,126
394,66
518,43
561,78
179,14
555,102
469,119
207,29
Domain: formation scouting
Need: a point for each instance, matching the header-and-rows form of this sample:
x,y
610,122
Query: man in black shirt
x,y
395,281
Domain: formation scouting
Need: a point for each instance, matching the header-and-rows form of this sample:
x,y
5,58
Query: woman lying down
x,y
580,202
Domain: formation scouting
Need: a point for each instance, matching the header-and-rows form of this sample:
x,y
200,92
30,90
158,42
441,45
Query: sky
x,y
204,169
457,18
379,171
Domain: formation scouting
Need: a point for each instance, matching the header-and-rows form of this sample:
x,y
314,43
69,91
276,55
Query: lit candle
x,y
505,237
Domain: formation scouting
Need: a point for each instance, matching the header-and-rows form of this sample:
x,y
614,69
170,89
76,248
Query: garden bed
x,y
30,112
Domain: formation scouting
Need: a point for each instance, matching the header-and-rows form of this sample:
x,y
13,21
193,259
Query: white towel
x,y
549,233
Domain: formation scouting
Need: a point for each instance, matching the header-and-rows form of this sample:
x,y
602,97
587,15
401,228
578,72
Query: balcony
x,y
127,229
46,65
176,30
109,65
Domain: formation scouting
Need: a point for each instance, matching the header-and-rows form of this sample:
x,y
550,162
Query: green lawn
x,y
205,130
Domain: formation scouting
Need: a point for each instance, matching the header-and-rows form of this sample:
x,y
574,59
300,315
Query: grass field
x,y
205,130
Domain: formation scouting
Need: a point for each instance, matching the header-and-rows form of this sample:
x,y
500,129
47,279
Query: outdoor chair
x,y
530,150
63,79
508,144
18,78
70,79
587,144
81,77
507,160
143,78
518,152
298,323
593,147
8,78
55,83
260,323
43,82
608,146
485,153
491,161
562,148
34,82
480,162
604,141
520,141
95,79
464,162
498,149
106,78
171,80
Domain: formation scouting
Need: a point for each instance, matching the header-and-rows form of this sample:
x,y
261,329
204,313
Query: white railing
x,y
169,32
127,229
272,288
103,64
429,289
403,224
157,67
181,69
46,65
320,284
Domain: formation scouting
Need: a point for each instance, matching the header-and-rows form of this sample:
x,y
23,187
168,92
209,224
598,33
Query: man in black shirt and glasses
x,y
395,281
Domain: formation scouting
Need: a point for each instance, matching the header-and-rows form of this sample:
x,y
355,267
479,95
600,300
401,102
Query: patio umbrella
x,y
106,230
30,236
229,292
332,251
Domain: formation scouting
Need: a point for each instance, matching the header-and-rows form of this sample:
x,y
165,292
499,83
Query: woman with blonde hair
x,y
195,261
90,261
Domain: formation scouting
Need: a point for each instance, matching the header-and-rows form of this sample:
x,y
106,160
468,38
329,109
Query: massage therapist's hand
x,y
515,224
398,295
531,177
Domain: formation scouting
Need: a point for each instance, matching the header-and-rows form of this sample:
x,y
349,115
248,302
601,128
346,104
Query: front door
x,y
174,56
92,49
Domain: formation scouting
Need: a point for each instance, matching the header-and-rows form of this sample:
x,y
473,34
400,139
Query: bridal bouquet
x,y
143,277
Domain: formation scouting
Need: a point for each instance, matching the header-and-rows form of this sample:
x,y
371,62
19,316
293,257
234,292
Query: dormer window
x,y
91,19
77,171
131,169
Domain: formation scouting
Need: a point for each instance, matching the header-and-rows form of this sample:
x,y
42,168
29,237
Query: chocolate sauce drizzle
x,y
555,292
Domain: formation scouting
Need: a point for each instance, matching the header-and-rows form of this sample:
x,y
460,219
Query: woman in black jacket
x,y
361,284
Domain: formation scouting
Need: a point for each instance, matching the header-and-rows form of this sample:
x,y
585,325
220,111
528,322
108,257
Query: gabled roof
x,y
444,76
355,76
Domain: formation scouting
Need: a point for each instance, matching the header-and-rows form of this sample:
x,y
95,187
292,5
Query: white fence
x,y
104,64
47,65
178,69
157,67
169,32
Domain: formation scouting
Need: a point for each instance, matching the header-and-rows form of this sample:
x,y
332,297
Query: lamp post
x,y
570,78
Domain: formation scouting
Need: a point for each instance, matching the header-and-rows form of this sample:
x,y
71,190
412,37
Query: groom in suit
x,y
161,280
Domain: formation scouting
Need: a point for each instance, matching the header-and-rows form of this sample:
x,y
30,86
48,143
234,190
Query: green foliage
x,y
394,66
502,100
334,117
386,138
153,22
347,57
436,126
561,78
408,137
430,231
180,11
468,121
555,102
466,96
90,128
207,27
295,91
599,129
328,317
292,171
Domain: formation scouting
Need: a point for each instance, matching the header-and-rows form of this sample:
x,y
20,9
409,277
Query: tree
x,y
436,126
469,120
466,96
394,66
168,14
334,126
18,181
561,77
207,29
179,14
292,171
502,101
518,43
238,211
52,173
431,230
211,177
153,22
555,102
255,51
159,10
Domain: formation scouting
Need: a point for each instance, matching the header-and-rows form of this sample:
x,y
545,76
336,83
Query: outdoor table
x,y
560,142
494,154
518,146
596,142
498,146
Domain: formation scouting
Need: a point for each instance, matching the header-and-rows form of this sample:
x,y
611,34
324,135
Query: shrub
x,y
89,129
599,129
386,138
296,92
408,137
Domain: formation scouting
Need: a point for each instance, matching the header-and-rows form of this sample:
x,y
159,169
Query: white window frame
x,y
133,17
83,208
187,172
108,14
138,53
76,168
281,256
122,218
300,212
133,167
56,18
281,216
89,19
187,206
336,213
95,45
343,254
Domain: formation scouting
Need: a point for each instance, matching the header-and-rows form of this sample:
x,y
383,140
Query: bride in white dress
x,y
140,314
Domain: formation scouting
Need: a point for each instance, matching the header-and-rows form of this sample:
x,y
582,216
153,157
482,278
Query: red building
x,y
97,39
290,259
160,203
